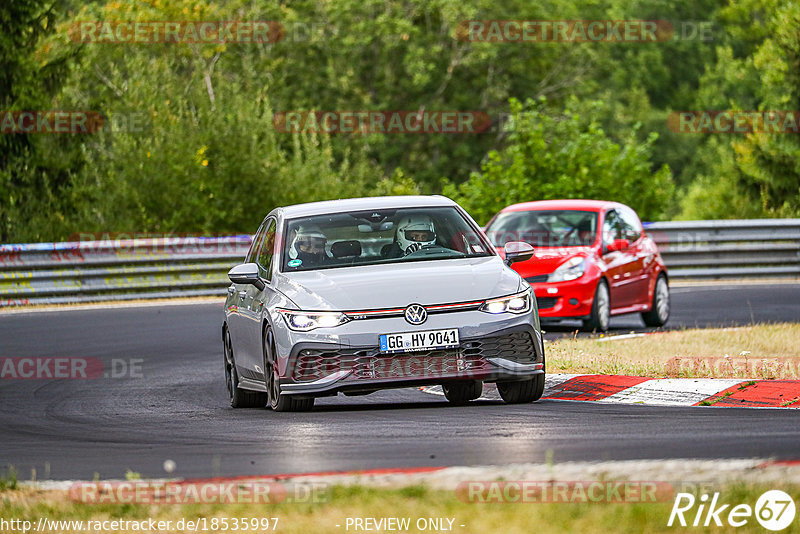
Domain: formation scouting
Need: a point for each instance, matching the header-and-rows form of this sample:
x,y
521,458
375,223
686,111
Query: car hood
x,y
399,284
547,260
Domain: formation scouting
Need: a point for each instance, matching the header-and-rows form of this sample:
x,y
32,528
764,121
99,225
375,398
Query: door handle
x,y
231,290
242,294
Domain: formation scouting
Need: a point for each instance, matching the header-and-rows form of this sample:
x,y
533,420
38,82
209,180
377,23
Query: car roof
x,y
563,204
367,203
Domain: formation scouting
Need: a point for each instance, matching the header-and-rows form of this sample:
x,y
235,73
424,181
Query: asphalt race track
x,y
174,406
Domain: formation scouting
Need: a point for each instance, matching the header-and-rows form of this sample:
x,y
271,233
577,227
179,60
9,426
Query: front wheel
x,y
523,391
276,401
659,313
601,309
240,398
462,392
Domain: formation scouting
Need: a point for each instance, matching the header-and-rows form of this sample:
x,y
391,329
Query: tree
x,y
36,171
564,156
202,154
758,173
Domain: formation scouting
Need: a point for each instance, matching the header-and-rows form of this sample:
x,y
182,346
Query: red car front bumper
x,y
565,299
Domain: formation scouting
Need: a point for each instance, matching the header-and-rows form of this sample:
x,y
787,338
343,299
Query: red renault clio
x,y
592,260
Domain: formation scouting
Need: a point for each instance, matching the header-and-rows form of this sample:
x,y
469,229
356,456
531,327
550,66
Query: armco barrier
x,y
729,248
90,271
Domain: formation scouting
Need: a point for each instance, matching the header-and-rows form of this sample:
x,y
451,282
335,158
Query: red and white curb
x,y
616,389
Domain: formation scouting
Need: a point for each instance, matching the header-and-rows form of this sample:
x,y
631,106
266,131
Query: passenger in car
x,y
309,247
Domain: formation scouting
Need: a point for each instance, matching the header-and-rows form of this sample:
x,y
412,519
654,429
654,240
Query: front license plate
x,y
413,341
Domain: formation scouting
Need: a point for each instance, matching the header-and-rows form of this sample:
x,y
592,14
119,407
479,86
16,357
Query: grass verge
x,y
412,502
768,351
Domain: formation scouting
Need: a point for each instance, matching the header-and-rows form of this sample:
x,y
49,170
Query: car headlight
x,y
302,321
519,303
569,270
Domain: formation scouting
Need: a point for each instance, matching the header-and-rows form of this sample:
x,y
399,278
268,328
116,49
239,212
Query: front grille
x,y
517,347
470,358
546,302
538,279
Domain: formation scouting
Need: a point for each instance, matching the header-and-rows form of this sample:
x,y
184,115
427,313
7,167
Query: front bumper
x,y
571,299
511,353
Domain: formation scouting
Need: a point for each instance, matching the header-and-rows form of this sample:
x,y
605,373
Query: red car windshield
x,y
545,228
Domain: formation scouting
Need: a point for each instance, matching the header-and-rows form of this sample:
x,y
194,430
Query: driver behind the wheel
x,y
413,232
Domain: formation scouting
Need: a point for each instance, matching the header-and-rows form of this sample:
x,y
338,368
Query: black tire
x,y
522,391
276,401
239,398
459,393
600,318
659,313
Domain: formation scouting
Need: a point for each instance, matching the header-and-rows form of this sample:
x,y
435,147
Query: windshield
x,y
550,228
379,236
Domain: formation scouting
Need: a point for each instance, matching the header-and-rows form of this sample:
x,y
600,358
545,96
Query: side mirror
x,y
516,251
246,273
618,245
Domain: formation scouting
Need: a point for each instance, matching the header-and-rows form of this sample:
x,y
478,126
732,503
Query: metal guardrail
x,y
92,271
729,249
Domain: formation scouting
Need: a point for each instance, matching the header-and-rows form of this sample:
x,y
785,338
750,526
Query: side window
x,y
253,252
267,250
612,227
632,228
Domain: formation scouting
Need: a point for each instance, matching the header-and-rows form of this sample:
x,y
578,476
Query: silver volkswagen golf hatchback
x,y
358,295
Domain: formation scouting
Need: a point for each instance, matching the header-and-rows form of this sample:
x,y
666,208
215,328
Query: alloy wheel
x,y
603,308
662,299
230,372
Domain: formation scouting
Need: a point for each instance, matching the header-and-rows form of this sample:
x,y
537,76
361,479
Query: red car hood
x,y
545,260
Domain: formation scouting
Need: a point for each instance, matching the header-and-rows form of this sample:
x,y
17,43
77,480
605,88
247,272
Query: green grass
x,y
413,501
765,351
8,481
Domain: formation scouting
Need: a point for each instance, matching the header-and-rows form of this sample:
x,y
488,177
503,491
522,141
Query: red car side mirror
x,y
618,245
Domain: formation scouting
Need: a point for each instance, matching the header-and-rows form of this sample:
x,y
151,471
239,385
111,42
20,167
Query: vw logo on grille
x,y
416,314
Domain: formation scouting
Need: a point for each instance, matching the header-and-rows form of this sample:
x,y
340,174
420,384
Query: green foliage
x,y
755,175
717,193
206,157
35,173
8,481
771,163
202,154
564,156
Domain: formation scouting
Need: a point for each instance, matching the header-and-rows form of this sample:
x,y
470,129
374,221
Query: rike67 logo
x,y
774,510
